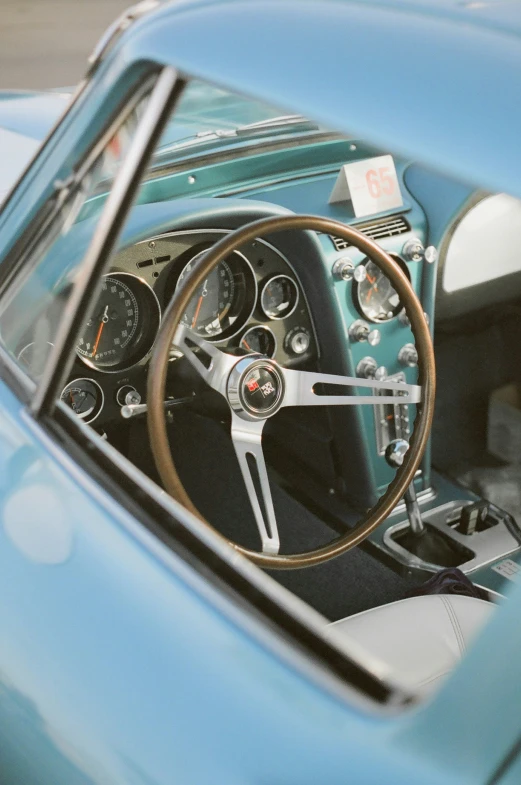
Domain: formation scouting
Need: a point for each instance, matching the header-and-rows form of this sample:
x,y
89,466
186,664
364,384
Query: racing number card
x,y
371,185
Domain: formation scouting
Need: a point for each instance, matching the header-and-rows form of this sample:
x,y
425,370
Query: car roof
x,y
434,81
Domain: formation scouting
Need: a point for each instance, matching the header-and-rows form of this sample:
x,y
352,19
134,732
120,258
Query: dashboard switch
x,y
360,332
299,342
413,250
128,396
408,356
366,368
343,269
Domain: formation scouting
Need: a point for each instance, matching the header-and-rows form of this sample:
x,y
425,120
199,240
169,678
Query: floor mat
x,y
208,467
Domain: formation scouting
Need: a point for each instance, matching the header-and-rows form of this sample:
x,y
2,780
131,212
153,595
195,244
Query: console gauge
x,y
279,297
259,340
375,297
123,326
84,397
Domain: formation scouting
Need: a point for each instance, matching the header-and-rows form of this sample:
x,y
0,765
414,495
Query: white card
x,y
372,185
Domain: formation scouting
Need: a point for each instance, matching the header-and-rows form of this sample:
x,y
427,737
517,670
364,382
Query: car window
x,y
30,316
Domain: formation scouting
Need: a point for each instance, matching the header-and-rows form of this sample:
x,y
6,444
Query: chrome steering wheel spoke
x,y
247,441
212,364
301,390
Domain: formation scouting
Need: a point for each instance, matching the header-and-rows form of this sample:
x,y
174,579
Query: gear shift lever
x,y
394,455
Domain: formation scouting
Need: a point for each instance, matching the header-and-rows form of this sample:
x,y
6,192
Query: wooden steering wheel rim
x,y
427,379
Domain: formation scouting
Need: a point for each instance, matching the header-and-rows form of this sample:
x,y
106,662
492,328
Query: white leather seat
x,y
420,639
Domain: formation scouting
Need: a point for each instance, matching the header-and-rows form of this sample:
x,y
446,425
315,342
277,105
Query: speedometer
x,y
123,325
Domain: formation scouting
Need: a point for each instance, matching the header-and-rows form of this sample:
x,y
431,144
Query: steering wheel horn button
x,y
255,389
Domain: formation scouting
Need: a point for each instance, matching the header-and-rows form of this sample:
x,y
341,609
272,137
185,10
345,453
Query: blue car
x,y
260,391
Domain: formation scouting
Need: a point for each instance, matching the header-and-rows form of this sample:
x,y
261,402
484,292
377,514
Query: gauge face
x,y
123,326
279,297
375,297
259,340
225,300
33,357
208,310
84,397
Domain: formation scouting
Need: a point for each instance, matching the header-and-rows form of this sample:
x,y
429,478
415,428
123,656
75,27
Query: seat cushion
x,y
420,639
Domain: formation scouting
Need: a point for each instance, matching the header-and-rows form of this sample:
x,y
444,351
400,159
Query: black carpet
x,y
207,465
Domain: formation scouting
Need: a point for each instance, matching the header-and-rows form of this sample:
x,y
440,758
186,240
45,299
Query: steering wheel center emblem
x,y
255,388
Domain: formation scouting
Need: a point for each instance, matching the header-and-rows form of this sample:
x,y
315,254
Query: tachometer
x,y
207,311
123,326
225,300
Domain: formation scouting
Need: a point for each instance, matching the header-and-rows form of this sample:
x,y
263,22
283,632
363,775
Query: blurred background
x,y
45,43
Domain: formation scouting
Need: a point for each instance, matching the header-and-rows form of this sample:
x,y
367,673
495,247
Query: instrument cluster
x,y
252,302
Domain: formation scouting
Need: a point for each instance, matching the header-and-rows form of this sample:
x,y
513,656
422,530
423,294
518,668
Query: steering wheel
x,y
257,387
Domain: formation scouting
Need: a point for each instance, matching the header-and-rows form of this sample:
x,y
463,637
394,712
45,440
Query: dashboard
x,y
252,302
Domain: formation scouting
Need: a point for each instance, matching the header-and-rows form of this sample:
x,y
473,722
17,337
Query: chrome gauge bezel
x,y
266,329
242,319
155,317
295,304
102,400
356,289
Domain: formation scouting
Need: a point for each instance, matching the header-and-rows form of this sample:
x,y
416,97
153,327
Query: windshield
x,y
208,115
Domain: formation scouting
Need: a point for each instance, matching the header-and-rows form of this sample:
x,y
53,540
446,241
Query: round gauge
x,y
84,397
279,297
208,309
225,300
375,296
33,357
259,340
123,325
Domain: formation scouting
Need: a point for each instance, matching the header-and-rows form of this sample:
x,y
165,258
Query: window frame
x,y
287,627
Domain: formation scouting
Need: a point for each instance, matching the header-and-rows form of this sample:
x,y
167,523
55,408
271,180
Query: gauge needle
x,y
199,303
371,280
104,320
247,345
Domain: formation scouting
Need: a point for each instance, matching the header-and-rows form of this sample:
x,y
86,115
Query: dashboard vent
x,y
377,230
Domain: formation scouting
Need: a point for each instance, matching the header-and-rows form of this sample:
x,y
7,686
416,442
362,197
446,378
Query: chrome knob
x,y
366,368
360,331
380,373
395,452
360,273
128,396
408,356
343,269
413,250
374,338
431,254
299,342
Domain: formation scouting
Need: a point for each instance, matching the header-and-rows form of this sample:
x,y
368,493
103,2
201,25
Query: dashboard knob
x,y
408,355
374,337
413,250
343,269
366,368
299,342
359,331
128,396
380,373
360,273
431,254
395,452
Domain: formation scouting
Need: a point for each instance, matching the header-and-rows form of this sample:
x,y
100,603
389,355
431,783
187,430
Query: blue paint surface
x,y
118,664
